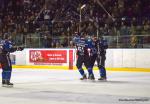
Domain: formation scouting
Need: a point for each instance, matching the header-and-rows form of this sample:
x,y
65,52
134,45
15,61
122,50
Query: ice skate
x,y
102,79
4,83
7,84
83,77
91,77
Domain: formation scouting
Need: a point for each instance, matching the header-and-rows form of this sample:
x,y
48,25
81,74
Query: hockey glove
x,y
20,48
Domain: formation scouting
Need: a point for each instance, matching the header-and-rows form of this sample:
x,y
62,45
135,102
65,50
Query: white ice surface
x,y
64,87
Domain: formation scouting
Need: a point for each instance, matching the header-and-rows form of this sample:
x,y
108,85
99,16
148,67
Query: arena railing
x,y
125,41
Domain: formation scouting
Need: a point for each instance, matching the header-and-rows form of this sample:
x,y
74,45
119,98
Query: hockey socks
x,y
6,75
90,71
91,75
81,71
102,72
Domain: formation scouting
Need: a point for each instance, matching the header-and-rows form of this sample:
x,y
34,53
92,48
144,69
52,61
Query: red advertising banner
x,y
48,56
70,59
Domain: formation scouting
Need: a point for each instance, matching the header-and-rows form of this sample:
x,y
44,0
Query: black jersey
x,y
101,46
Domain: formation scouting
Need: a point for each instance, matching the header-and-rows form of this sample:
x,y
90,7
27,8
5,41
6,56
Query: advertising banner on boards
x,y
48,56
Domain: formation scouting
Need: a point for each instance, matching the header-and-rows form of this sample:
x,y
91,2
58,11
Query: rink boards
x,y
74,68
65,59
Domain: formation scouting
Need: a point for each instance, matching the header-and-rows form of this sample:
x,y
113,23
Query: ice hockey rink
x,y
64,87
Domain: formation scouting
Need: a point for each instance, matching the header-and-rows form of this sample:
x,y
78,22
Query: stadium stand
x,y
29,21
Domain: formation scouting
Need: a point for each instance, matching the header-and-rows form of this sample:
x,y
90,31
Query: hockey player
x,y
6,48
101,46
92,55
76,38
83,57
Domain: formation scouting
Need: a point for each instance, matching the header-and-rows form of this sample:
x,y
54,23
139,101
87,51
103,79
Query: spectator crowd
x,y
55,21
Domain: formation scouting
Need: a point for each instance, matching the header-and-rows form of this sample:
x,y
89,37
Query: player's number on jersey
x,y
80,49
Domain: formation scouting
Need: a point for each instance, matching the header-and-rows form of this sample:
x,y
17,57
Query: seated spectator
x,y
133,41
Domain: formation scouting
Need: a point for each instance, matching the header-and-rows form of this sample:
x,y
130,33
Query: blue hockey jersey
x,y
6,47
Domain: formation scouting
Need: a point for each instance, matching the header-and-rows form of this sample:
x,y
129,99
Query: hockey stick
x,y
105,10
39,14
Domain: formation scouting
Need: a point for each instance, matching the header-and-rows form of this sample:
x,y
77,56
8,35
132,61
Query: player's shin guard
x,y
82,73
90,71
4,73
91,75
8,75
102,74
